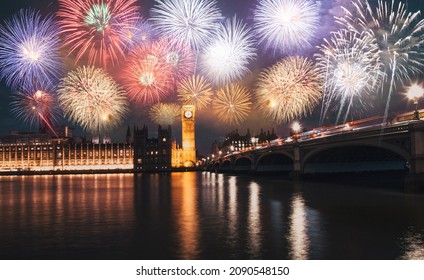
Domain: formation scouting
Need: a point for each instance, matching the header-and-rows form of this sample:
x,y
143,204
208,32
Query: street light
x,y
296,127
254,141
414,92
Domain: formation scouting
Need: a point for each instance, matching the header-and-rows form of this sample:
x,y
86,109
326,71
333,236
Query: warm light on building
x,y
188,136
59,155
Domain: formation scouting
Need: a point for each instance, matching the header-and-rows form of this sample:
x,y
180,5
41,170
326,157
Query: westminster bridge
x,y
343,148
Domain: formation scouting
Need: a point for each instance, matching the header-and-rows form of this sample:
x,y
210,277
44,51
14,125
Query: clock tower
x,y
188,136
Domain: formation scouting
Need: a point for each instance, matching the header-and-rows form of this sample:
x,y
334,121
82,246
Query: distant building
x,y
235,142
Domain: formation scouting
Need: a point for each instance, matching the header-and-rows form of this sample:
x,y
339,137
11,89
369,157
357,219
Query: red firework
x,y
146,77
93,28
178,55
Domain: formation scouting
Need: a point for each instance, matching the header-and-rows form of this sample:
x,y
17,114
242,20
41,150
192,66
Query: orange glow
x,y
185,209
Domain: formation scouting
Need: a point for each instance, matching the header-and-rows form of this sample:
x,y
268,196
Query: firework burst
x,y
195,90
227,58
286,25
36,107
232,104
352,71
289,89
95,28
399,35
136,32
147,77
92,99
178,55
29,50
193,22
165,113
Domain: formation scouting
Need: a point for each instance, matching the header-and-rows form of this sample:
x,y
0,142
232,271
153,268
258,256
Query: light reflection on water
x,y
413,243
298,234
204,216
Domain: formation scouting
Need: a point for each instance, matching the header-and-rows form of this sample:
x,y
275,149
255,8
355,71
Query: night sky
x,y
206,130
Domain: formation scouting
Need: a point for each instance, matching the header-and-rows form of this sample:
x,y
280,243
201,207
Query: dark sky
x,y
206,130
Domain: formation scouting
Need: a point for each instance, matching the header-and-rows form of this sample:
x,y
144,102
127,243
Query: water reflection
x,y
413,243
203,216
184,201
298,234
42,215
254,220
232,207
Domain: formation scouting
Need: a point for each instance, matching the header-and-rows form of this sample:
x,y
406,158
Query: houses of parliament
x,y
64,153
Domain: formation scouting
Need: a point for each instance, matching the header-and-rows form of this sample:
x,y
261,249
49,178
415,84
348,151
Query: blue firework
x,y
29,50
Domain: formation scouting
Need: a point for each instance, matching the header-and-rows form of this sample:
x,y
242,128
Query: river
x,y
203,215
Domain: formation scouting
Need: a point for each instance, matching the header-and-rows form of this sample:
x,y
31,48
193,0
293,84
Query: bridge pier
x,y
297,163
415,180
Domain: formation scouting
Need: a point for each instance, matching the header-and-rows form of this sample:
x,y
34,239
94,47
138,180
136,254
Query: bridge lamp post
x,y
414,92
254,141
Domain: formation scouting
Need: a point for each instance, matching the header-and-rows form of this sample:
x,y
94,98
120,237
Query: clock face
x,y
188,114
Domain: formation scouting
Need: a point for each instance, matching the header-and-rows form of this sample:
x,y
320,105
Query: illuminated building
x,y
188,136
47,153
41,152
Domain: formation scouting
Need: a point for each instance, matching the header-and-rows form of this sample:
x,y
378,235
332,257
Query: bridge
x,y
343,148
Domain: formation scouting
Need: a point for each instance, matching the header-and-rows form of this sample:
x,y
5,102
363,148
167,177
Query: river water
x,y
202,215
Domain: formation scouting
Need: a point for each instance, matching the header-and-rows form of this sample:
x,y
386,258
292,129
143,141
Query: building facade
x,y
43,153
63,152
235,142
152,154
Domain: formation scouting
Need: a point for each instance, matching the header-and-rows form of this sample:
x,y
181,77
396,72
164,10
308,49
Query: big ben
x,y
188,136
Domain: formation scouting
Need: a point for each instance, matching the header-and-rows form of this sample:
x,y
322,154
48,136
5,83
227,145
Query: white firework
x,y
398,33
352,71
192,21
286,25
227,58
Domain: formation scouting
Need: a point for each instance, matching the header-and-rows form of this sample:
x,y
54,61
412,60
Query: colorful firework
x,y
399,35
147,78
165,113
94,28
29,50
36,107
178,55
92,99
351,68
227,58
136,32
289,89
195,90
193,22
286,25
232,103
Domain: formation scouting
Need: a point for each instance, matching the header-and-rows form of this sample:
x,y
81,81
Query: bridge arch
x,y
243,164
274,162
355,157
226,165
